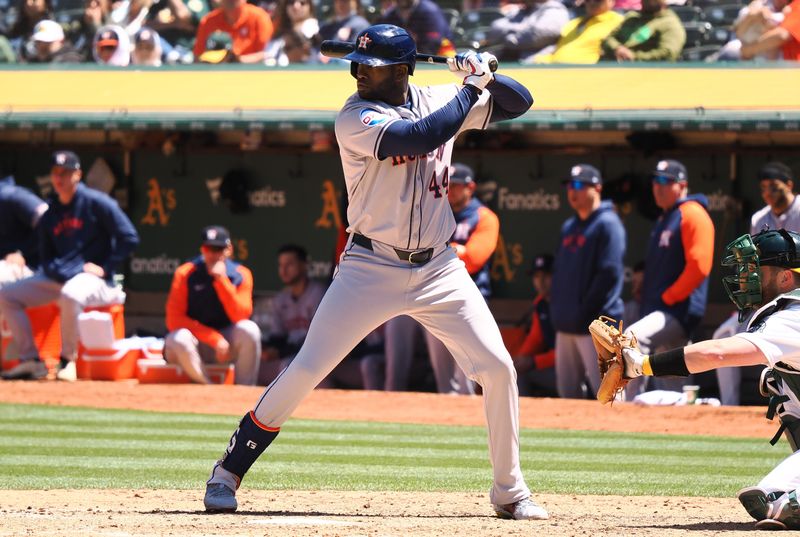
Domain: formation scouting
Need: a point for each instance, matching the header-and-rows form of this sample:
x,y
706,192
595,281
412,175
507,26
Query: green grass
x,y
70,447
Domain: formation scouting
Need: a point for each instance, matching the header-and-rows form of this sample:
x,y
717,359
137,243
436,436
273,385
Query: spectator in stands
x,y
83,237
291,312
112,46
20,211
784,38
653,34
176,22
130,14
249,26
96,13
146,48
474,240
581,37
345,24
587,279
535,359
782,210
677,264
297,25
752,22
30,12
534,25
424,21
208,313
50,45
7,54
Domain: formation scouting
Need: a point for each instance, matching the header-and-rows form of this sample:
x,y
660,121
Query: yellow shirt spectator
x,y
581,37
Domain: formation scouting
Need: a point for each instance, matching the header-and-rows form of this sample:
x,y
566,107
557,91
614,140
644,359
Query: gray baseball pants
x,y
184,349
401,333
77,293
656,332
576,360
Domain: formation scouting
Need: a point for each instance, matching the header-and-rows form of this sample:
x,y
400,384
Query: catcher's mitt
x,y
609,341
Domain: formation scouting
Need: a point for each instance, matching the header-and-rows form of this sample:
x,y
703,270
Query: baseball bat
x,y
339,49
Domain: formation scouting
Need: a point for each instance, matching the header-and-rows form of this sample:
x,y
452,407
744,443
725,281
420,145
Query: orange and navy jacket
x,y
204,304
678,262
540,342
477,228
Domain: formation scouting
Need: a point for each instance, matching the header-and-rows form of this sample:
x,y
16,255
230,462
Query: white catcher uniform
x,y
398,207
777,336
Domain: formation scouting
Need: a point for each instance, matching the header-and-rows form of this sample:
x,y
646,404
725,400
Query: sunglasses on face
x,y
576,185
663,180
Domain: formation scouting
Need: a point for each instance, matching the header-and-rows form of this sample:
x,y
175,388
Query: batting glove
x,y
476,65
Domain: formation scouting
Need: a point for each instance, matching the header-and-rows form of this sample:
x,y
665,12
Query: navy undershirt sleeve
x,y
510,98
423,136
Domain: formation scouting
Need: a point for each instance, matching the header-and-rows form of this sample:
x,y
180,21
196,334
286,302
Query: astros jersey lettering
x,y
402,200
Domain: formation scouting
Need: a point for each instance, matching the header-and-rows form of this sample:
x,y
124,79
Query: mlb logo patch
x,y
371,118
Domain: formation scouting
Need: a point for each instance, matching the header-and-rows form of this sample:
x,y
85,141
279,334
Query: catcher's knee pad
x,y
247,443
782,386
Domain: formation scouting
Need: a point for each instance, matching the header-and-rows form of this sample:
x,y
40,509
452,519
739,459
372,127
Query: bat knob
x,y
493,65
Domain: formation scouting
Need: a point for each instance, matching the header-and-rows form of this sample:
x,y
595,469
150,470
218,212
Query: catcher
x,y
766,277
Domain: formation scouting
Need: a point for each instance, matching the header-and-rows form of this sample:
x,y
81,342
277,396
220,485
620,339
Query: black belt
x,y
415,257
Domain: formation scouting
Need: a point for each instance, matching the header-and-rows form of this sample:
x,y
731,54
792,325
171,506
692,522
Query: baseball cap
x,y
217,46
461,174
146,36
584,173
671,170
542,262
216,237
47,31
107,38
66,159
775,170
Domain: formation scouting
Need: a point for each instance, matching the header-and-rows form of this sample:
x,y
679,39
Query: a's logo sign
x,y
363,41
160,202
251,444
371,118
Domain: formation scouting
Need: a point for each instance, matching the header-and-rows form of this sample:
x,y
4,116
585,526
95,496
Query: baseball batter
x,y
396,141
766,278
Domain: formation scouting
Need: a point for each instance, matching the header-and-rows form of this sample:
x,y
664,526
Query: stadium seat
x,y
697,33
688,13
722,15
698,54
719,35
474,19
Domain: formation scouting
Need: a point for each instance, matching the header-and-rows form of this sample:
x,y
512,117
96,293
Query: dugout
x,y
251,148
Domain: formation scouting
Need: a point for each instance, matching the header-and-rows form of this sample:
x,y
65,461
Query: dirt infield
x,y
121,513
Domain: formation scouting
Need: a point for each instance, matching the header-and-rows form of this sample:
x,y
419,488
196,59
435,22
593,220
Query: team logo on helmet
x,y
663,165
371,118
363,41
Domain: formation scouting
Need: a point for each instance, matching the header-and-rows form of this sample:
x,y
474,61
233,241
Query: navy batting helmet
x,y
383,44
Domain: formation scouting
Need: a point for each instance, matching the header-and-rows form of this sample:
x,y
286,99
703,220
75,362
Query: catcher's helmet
x,y
383,44
777,248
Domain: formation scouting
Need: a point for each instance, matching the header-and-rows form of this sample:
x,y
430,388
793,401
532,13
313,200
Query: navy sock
x,y
247,444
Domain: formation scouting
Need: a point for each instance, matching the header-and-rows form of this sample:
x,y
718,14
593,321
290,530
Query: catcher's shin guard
x,y
247,443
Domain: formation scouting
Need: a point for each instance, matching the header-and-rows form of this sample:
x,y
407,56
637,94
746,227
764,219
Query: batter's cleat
x,y
67,371
220,499
526,509
755,502
26,370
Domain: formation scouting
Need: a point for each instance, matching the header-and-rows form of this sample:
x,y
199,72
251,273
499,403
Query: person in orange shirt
x,y
208,313
678,261
475,239
535,359
784,37
249,26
